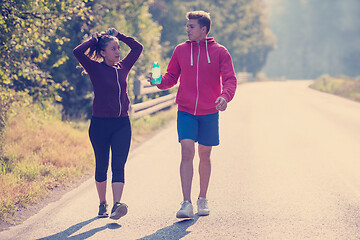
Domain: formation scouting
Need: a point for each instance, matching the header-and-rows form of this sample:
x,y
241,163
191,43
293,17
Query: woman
x,y
110,125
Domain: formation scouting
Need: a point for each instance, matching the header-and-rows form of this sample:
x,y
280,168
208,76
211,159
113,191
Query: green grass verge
x,y
342,86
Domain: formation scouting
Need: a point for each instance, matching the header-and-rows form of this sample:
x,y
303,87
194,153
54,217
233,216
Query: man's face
x,y
194,31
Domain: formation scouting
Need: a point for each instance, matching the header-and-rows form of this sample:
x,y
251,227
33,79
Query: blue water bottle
x,y
156,74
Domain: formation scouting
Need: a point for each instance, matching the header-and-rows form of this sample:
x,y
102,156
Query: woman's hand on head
x,y
112,31
95,36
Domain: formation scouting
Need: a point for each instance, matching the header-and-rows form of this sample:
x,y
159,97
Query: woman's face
x,y
111,53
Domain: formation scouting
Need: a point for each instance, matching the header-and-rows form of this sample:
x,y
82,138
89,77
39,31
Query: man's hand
x,y
149,79
221,104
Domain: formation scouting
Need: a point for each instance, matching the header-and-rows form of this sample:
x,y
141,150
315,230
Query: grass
x,y
342,86
143,127
40,152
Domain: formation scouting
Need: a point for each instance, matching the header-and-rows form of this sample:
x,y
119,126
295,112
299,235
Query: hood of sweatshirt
x,y
205,42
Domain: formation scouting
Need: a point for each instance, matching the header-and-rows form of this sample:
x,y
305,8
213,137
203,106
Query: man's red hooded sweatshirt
x,y
200,66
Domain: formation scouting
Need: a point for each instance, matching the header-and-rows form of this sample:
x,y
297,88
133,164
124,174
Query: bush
x,y
342,86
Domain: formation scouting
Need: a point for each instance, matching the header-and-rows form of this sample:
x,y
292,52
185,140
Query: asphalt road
x,y
288,167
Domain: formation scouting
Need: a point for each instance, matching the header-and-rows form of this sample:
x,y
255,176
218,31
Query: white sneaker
x,y
186,210
202,206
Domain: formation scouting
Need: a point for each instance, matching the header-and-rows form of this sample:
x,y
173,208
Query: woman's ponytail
x,y
94,52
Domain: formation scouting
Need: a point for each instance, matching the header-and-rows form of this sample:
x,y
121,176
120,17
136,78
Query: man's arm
x,y
228,77
170,78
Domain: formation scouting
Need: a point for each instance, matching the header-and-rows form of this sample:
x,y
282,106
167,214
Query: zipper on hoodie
x,y
117,81
197,80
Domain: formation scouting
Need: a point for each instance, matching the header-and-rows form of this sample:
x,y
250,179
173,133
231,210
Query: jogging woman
x,y
110,125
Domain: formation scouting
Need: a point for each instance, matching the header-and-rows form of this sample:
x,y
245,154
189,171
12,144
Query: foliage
x,y
26,27
171,17
240,25
342,86
76,98
315,38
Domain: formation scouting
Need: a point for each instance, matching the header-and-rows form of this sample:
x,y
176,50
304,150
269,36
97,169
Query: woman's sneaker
x,y
186,210
119,210
103,210
202,206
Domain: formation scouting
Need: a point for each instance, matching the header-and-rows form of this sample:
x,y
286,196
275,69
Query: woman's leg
x,y
100,141
117,189
120,146
101,189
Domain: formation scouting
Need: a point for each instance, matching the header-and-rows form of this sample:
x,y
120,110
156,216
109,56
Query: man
x,y
200,62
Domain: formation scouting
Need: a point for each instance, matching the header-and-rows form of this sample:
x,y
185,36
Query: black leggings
x,y
114,133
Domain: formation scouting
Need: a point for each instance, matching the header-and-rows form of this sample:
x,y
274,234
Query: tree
x,y
171,16
315,38
76,97
240,25
26,27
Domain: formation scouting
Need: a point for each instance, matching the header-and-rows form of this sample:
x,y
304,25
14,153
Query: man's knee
x,y
204,152
187,149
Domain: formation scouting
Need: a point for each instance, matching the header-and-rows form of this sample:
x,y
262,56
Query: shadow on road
x,y
173,232
66,234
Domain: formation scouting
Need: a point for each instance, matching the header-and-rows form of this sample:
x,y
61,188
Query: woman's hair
x,y
202,17
94,52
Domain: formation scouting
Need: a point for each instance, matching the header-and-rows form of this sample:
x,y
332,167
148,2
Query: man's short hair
x,y
202,17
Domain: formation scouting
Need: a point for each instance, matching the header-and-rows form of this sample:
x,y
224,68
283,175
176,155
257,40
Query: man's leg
x,y
208,137
186,167
204,168
187,126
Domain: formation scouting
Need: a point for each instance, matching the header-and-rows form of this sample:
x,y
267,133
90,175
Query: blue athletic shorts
x,y
200,128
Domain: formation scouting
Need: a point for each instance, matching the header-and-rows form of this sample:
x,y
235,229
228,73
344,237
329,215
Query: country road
x,y
288,167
